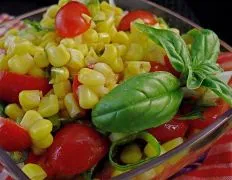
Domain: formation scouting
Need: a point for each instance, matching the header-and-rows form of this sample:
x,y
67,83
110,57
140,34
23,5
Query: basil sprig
x,y
198,67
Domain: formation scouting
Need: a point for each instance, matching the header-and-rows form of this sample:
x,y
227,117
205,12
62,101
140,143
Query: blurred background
x,y
212,14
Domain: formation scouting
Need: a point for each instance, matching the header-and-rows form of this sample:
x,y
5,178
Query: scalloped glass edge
x,y
183,155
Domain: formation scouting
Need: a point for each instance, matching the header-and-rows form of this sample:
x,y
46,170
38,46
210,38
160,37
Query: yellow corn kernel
x,y
122,49
98,47
105,26
150,151
14,111
20,47
154,52
29,99
48,106
134,52
77,60
68,42
34,172
104,37
121,38
78,39
110,57
107,71
90,36
117,172
59,74
40,129
37,151
91,77
131,154
62,2
112,31
87,98
58,56
30,118
37,72
52,11
47,22
13,31
99,16
20,64
3,62
61,104
100,90
49,37
83,48
91,57
172,144
40,58
133,68
62,88
44,143
49,93
71,105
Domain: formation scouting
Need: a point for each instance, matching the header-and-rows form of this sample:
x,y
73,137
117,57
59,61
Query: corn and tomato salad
x,y
55,72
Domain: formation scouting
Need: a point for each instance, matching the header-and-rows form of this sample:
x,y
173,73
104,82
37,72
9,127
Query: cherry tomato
x,y
230,82
11,84
225,61
69,19
146,16
210,115
13,137
166,67
158,67
75,149
170,130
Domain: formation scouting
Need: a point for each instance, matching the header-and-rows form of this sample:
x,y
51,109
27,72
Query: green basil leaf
x,y
173,44
219,88
142,135
94,7
144,101
205,47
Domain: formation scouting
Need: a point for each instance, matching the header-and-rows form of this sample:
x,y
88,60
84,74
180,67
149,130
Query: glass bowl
x,y
173,161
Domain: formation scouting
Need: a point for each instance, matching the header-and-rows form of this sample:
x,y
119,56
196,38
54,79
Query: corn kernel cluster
x,y
101,58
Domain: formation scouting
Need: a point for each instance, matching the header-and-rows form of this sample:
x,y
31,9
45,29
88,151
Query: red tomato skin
x,y
210,115
75,149
13,137
225,61
11,84
230,82
69,21
146,16
158,67
167,66
170,130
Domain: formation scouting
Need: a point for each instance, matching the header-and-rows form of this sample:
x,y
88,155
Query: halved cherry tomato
x,y
170,130
146,16
69,19
230,82
158,67
13,137
210,115
166,67
225,61
11,84
75,149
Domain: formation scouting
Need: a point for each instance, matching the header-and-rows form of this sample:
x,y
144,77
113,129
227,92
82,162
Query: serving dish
x,y
171,162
